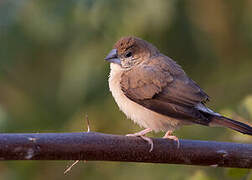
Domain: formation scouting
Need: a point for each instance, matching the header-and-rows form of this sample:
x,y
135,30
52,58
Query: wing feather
x,y
169,92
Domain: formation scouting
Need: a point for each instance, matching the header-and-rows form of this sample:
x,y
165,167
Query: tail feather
x,y
232,124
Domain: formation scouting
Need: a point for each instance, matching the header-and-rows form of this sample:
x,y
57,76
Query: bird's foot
x,y
168,135
141,135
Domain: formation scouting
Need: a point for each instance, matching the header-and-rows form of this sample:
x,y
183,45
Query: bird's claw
x,y
169,136
149,140
141,135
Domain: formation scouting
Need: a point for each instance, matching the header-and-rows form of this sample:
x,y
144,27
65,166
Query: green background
x,y
52,73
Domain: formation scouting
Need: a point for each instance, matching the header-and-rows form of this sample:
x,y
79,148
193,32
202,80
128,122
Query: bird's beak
x,y
112,57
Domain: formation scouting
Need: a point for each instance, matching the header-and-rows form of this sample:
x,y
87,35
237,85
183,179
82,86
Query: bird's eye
x,y
128,54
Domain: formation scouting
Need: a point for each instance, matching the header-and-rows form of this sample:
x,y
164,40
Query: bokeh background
x,y
52,73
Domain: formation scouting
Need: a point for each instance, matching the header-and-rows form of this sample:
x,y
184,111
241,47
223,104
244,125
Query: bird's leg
x,y
168,135
142,135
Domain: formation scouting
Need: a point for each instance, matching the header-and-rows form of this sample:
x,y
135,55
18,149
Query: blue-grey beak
x,y
112,57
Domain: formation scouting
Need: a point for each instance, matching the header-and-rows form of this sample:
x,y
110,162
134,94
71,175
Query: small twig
x,y
70,167
75,162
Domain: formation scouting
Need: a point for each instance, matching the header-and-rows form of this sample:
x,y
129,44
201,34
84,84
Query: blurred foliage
x,y
52,73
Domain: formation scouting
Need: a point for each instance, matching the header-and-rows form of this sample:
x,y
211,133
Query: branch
x,y
106,147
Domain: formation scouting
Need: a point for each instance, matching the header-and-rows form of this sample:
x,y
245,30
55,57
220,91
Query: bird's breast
x,y
142,116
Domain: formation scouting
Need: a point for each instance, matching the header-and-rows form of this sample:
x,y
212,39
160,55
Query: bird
x,y
156,93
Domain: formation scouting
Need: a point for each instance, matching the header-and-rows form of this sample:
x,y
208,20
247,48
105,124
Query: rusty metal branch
x,y
106,147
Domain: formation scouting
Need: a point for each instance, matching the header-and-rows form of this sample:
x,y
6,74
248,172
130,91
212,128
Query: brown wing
x,y
164,90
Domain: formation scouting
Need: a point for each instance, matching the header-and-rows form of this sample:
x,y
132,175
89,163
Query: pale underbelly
x,y
139,114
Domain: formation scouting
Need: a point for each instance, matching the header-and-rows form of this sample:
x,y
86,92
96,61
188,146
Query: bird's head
x,y
130,51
